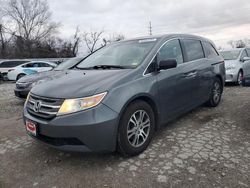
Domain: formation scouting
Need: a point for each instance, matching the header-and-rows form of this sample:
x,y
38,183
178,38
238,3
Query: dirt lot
x,y
204,148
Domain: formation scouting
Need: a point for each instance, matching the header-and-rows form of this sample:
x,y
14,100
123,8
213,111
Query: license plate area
x,y
31,127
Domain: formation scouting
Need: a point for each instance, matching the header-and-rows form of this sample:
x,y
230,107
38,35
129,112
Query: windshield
x,y
69,63
129,54
230,55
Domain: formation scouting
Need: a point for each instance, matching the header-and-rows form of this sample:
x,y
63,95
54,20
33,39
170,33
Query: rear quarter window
x,y
210,51
193,49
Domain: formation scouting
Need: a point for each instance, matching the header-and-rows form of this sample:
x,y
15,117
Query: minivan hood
x,y
78,83
229,63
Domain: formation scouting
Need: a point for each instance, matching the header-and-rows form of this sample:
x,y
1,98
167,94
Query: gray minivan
x,y
119,96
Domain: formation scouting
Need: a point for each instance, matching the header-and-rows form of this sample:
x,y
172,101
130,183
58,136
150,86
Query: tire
x,y
20,76
134,138
215,94
240,78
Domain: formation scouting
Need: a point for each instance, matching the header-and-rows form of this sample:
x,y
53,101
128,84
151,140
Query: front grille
x,y
41,107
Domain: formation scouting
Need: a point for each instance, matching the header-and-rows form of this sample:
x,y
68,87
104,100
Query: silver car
x,y
237,63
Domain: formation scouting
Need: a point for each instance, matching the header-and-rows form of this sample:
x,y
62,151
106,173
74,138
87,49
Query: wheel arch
x,y
221,79
21,73
148,99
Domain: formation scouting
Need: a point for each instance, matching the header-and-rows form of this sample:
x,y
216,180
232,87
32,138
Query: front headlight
x,y
76,105
22,84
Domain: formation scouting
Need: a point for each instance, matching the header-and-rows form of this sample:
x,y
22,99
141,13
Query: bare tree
x,y
239,43
91,39
31,19
5,39
76,42
113,38
2,41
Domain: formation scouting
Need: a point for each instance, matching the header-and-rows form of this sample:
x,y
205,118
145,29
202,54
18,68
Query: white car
x,y
29,68
237,63
7,65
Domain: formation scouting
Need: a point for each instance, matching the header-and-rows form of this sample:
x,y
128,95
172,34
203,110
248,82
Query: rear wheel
x,y
20,76
240,78
216,92
136,128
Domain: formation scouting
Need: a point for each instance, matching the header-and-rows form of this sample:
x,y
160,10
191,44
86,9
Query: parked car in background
x,y
31,67
24,84
237,63
7,65
123,93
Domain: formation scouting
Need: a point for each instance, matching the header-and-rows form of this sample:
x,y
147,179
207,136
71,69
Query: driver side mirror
x,y
245,59
167,64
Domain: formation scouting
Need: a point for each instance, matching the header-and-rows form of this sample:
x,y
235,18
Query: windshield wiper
x,y
104,67
108,67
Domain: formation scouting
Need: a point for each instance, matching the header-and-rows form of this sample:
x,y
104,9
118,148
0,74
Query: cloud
x,y
215,18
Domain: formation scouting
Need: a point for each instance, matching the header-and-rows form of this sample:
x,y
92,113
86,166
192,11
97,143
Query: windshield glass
x,y
230,55
129,54
68,63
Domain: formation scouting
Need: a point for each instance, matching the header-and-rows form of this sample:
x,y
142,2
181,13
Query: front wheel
x,y
216,93
136,128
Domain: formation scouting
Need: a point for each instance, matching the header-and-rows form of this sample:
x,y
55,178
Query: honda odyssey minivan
x,y
118,97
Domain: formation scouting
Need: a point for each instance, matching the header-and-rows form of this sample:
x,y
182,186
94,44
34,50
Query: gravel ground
x,y
208,147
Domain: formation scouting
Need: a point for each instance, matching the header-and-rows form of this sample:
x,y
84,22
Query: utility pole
x,y
150,28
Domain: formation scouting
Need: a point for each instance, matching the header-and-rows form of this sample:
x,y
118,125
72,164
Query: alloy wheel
x,y
138,128
216,92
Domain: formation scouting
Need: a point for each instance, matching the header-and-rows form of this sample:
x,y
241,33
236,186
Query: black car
x,y
25,84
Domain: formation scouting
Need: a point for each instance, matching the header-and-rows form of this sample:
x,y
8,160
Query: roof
x,y
232,49
167,36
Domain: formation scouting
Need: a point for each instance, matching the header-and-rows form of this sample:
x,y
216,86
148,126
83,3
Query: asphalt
x,y
208,147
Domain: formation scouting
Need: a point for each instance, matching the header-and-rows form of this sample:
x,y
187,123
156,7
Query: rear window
x,y
209,50
9,64
193,49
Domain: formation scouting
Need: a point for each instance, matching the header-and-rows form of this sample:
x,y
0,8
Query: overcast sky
x,y
220,20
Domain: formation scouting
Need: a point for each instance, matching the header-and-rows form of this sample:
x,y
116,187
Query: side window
x,y
35,65
6,64
193,49
209,50
244,54
152,67
248,52
171,50
43,65
29,65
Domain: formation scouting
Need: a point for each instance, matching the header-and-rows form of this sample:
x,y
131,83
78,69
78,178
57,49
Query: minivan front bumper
x,y
92,130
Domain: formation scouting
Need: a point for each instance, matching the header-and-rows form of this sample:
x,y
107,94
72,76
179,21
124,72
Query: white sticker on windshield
x,y
147,40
